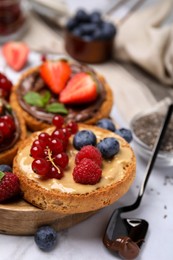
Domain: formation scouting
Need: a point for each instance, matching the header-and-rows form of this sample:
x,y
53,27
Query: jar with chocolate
x,y
12,19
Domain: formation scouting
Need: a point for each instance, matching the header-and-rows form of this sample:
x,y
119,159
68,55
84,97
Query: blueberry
x,y
71,24
97,35
5,168
108,30
125,133
88,28
95,17
107,124
108,147
81,16
46,238
77,32
84,137
87,38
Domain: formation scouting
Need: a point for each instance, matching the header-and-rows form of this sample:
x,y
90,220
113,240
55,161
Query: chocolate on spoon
x,y
125,236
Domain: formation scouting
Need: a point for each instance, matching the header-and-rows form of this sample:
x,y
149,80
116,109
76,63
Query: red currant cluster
x,y
49,151
7,128
5,86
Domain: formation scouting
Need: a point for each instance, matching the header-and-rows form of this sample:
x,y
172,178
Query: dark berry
x,y
108,147
81,16
95,17
88,28
125,133
84,137
46,238
108,30
5,168
71,24
106,124
77,32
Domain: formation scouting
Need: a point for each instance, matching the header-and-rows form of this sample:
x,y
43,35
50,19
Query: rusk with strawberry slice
x,y
15,54
64,87
81,88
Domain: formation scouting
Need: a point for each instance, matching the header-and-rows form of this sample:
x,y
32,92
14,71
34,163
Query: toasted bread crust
x,y
69,203
36,125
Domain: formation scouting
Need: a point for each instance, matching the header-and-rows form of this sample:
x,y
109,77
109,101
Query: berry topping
x,y
91,26
55,74
5,168
41,166
89,152
49,151
73,127
125,133
15,54
81,88
108,147
5,86
9,185
58,121
87,172
61,159
7,128
106,124
46,238
84,137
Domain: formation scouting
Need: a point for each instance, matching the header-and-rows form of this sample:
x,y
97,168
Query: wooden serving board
x,y
21,218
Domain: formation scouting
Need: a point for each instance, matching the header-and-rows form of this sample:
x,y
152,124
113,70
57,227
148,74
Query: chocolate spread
x,y
78,113
125,247
10,142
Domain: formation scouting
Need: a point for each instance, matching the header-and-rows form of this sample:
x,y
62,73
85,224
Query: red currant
x,y
58,133
66,131
73,126
61,160
41,166
37,151
5,86
56,173
40,143
5,129
44,137
56,146
58,121
1,137
9,121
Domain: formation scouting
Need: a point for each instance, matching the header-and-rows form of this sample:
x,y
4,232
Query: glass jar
x,y
12,20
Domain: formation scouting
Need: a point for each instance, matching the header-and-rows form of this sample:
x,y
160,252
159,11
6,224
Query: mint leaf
x,y
56,108
2,174
46,97
34,99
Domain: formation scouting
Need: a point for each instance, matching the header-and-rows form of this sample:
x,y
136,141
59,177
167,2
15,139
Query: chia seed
x,y
147,127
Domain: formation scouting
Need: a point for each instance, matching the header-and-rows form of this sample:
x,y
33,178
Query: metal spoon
x,y
125,236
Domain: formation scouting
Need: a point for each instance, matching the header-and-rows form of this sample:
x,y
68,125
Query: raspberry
x,y
89,152
9,185
87,172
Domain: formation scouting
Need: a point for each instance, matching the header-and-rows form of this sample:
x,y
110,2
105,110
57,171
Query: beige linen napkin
x,y
145,41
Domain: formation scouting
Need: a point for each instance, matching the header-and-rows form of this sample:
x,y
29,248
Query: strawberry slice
x,y
55,74
81,88
15,54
